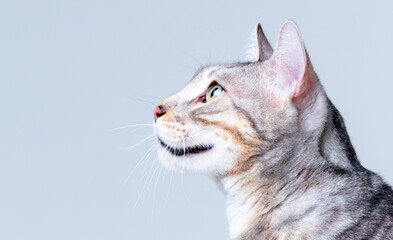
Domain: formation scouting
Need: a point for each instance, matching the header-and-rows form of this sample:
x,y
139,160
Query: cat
x,y
266,131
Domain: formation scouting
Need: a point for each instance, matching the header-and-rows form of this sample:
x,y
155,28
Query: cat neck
x,y
258,199
254,196
334,142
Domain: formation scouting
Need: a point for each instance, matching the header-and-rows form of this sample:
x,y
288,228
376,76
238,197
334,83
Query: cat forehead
x,y
201,80
235,69
230,76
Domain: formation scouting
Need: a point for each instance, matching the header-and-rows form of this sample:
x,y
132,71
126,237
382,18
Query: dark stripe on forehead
x,y
213,71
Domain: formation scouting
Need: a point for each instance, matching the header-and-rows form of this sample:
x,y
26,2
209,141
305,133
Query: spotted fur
x,y
277,147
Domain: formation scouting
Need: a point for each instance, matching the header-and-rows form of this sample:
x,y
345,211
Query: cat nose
x,y
158,112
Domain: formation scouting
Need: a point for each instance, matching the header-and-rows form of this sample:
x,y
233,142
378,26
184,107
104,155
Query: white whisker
x,y
140,142
156,162
155,187
144,186
138,126
182,171
144,102
169,188
143,159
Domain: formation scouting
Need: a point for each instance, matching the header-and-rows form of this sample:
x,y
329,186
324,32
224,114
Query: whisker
x,y
155,187
140,142
182,171
151,178
196,60
144,101
161,99
131,126
176,117
143,159
169,188
144,185
166,156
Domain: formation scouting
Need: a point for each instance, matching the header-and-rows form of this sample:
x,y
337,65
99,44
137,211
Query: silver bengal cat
x,y
266,131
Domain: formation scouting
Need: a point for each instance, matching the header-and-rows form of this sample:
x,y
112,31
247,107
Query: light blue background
x,y
70,71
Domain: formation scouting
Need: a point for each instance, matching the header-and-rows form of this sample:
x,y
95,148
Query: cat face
x,y
204,128
223,133
229,115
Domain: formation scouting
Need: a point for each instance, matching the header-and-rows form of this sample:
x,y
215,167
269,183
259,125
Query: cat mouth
x,y
187,150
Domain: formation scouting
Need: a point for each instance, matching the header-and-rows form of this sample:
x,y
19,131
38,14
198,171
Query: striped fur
x,y
278,148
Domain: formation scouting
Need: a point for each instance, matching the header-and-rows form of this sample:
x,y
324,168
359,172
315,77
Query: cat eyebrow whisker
x,y
150,105
159,98
144,101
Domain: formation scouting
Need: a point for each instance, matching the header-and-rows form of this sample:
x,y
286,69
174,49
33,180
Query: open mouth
x,y
187,150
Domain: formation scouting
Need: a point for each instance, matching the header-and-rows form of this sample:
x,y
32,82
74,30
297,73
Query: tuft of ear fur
x,y
259,48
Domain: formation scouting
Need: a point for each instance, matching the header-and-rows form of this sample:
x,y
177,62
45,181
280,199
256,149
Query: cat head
x,y
229,115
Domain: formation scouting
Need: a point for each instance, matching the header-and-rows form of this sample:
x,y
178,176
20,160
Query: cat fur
x,y
279,148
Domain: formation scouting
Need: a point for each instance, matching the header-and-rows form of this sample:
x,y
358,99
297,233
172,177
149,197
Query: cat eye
x,y
213,92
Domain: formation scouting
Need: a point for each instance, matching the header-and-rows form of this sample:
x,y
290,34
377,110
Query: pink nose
x,y
158,112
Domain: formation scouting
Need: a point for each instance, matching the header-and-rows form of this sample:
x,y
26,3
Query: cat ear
x,y
296,77
291,60
260,49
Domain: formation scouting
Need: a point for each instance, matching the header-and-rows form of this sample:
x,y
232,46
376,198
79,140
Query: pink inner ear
x,y
296,91
290,54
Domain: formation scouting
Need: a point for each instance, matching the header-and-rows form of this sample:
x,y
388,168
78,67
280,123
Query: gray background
x,y
70,71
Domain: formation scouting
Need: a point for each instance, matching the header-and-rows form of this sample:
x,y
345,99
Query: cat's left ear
x,y
291,62
294,78
259,49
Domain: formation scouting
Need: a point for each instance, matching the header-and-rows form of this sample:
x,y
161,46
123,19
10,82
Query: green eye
x,y
213,92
